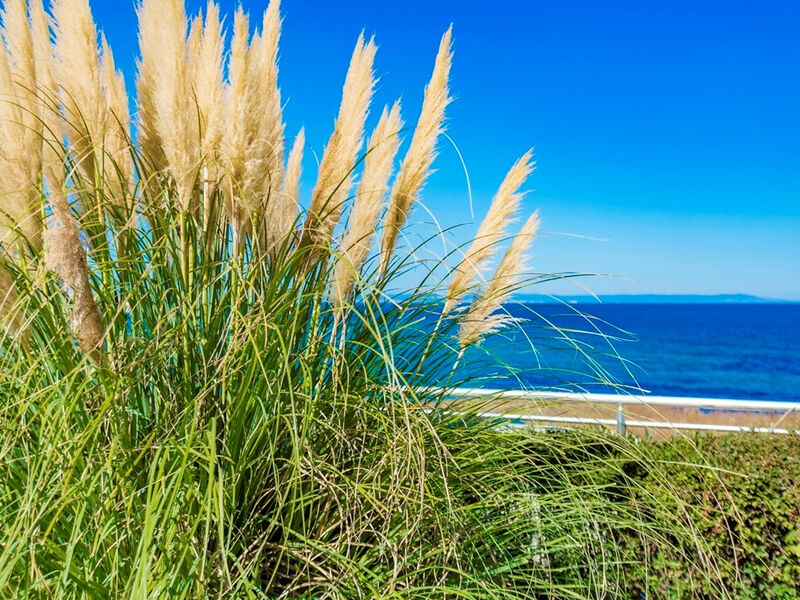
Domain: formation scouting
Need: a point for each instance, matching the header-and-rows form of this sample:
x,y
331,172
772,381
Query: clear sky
x,y
667,134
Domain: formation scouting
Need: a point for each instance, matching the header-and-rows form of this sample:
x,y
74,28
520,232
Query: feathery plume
x,y
193,44
491,231
335,169
284,213
162,39
480,320
416,166
78,76
381,151
117,162
20,139
18,41
50,109
236,127
264,171
53,123
206,75
65,255
148,136
208,91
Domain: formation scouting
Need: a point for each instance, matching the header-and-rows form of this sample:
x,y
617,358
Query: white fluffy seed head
x,y
117,161
264,166
368,203
416,166
481,318
234,143
283,215
79,79
338,160
207,79
491,231
20,133
164,76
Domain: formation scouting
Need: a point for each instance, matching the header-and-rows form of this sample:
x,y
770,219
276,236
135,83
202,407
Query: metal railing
x,y
780,409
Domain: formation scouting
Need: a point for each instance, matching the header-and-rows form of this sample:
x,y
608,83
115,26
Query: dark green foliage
x,y
745,506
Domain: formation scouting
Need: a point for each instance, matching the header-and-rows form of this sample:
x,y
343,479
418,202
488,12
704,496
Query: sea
x,y
743,351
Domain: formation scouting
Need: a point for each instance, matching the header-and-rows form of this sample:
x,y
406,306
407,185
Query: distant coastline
x,y
650,299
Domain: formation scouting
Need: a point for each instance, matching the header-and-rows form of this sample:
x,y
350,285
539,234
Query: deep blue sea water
x,y
707,350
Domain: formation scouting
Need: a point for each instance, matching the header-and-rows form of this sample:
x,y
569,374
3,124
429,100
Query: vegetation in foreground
x,y
206,392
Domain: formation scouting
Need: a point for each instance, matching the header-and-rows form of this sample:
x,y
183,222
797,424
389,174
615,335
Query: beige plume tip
x,y
334,180
416,167
481,318
491,232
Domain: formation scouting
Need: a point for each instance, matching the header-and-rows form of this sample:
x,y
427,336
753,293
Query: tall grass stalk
x,y
177,417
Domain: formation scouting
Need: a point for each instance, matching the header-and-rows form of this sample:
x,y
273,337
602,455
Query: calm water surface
x,y
708,350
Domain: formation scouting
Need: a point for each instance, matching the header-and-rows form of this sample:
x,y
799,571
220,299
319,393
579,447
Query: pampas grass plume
x,y
369,200
491,231
264,167
78,75
335,169
50,112
416,166
18,41
283,216
162,32
65,255
481,319
236,134
208,84
117,162
20,133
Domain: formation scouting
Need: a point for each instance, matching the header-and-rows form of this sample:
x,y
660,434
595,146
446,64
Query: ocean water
x,y
749,351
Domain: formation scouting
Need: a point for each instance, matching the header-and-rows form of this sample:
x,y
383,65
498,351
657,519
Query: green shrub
x,y
743,494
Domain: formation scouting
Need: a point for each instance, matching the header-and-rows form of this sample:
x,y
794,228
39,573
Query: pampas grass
x,y
491,231
19,44
234,153
206,77
203,403
65,255
286,207
20,211
264,169
368,203
482,319
162,34
417,163
340,155
78,75
117,162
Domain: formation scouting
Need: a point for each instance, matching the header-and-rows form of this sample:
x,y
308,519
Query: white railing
x,y
781,410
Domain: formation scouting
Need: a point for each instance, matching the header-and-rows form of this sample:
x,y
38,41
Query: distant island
x,y
650,299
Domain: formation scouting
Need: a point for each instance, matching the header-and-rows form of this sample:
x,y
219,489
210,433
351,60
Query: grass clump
x,y
203,393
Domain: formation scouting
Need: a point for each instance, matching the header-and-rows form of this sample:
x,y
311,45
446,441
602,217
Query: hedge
x,y
743,494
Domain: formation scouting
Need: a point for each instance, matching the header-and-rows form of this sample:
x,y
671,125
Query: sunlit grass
x,y
240,438
188,409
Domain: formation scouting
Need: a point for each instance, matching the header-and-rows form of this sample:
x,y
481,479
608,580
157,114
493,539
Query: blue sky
x,y
667,135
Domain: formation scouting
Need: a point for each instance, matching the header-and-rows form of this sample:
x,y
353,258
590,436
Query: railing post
x,y
620,419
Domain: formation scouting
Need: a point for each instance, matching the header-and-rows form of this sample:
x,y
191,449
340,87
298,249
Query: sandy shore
x,y
644,418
